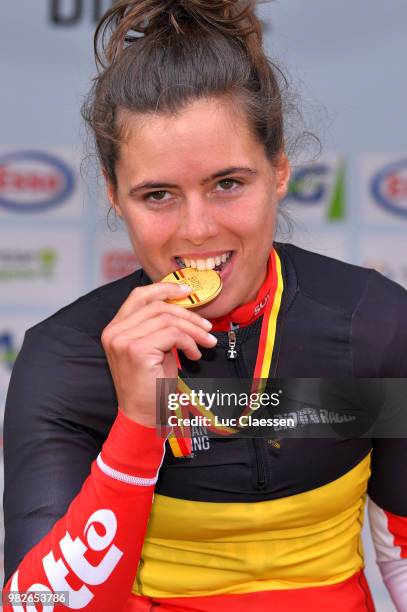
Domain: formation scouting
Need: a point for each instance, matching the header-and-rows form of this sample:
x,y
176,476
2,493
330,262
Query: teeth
x,y
204,264
209,263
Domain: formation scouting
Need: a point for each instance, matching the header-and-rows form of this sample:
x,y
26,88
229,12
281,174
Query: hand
x,y
138,344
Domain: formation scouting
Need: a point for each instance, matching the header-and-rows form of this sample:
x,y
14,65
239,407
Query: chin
x,y
218,308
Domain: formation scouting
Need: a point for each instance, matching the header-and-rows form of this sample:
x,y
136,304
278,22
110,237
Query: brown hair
x,y
159,55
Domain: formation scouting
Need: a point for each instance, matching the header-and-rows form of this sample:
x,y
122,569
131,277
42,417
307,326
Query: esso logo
x,y
389,188
33,181
309,185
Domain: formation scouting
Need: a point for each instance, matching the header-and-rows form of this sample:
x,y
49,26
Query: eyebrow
x,y
222,173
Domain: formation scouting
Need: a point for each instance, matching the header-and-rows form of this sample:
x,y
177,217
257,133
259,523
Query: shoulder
x,y
339,284
328,281
375,306
67,344
61,371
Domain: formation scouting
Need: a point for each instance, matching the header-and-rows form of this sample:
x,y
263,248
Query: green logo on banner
x,y
19,264
47,257
336,210
322,184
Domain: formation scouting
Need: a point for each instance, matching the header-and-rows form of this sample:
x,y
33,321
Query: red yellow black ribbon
x,y
180,439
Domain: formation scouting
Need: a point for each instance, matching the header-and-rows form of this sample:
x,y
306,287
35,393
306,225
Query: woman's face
x,y
195,187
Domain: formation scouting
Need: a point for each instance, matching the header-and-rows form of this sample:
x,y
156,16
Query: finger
x,y
165,341
159,308
141,296
120,338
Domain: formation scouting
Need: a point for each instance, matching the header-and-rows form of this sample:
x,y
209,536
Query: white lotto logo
x,y
74,552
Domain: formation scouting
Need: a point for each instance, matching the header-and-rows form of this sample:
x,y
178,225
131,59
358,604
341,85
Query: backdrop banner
x,y
58,239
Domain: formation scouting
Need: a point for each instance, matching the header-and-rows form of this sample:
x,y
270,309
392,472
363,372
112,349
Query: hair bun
x,y
127,20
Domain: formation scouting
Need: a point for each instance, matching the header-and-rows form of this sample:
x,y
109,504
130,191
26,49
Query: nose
x,y
198,222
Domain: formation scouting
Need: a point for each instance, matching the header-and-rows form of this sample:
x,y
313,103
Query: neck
x,y
253,309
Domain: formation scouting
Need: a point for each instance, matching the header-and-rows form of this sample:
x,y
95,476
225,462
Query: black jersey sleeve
x,y
379,330
59,409
380,349
379,345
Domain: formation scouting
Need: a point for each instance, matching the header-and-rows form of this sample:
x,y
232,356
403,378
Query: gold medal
x,y
205,285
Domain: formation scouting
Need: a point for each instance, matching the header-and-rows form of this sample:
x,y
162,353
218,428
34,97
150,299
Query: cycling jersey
x,y
243,522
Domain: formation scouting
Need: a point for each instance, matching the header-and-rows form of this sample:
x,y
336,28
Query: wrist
x,y
132,448
146,420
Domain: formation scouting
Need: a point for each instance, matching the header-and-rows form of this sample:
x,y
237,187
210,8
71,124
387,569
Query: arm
x,y
52,436
379,341
56,403
93,551
387,508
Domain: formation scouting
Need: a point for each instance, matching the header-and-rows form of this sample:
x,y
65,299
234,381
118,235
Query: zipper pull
x,y
232,352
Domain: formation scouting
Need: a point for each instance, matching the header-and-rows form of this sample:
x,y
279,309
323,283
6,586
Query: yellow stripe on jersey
x,y
303,540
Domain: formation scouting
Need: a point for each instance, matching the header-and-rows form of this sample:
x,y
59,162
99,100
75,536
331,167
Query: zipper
x,y
232,339
262,466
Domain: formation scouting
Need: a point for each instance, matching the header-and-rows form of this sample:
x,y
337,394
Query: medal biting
x,y
205,284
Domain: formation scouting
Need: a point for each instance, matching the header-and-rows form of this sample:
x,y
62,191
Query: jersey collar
x,y
250,312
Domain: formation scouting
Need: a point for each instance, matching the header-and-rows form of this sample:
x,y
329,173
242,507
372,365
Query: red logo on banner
x,y
34,181
116,264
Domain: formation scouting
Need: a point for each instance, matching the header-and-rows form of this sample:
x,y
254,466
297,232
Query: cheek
x,y
148,233
254,217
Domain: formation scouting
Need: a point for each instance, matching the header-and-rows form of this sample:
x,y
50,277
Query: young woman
x,y
188,121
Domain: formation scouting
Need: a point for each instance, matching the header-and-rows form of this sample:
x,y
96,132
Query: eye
x,y
229,184
156,196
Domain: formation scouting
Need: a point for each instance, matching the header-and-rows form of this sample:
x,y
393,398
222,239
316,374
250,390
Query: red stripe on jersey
x,y
351,594
398,528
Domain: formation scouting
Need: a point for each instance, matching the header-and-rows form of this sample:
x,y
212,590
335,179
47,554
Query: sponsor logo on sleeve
x,y
72,558
34,181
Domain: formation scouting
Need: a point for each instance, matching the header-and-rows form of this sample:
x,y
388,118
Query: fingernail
x,y
185,288
207,323
213,339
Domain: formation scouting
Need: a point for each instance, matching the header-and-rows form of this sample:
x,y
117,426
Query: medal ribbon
x,y
271,291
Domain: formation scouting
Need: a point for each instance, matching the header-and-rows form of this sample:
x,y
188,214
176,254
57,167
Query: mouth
x,y
217,263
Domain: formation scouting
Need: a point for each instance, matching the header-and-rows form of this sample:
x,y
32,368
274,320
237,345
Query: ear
x,y
112,194
283,175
